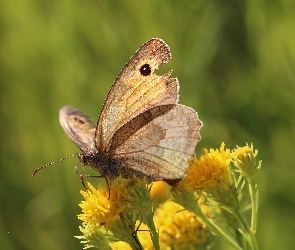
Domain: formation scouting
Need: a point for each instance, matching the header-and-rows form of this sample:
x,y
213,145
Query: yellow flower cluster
x,y
178,229
112,214
124,217
210,170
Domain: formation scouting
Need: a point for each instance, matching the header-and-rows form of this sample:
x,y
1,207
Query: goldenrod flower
x,y
143,234
98,209
210,170
159,191
120,245
144,237
178,228
245,160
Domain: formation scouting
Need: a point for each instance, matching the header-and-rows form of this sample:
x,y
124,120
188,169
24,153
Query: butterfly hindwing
x,y
159,141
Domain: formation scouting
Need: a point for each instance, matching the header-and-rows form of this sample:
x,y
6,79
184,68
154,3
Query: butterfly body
x,y
141,130
110,167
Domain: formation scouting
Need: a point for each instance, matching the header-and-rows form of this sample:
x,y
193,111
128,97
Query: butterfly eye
x,y
145,70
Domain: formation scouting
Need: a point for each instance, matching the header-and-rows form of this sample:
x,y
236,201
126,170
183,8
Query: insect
x,y
141,130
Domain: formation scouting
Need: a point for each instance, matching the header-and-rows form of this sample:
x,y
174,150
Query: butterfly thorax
x,y
101,162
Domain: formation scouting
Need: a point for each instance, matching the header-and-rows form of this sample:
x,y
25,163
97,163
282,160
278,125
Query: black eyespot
x,y
145,70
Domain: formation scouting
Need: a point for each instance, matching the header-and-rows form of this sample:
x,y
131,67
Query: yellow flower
x,y
159,191
144,237
98,209
178,228
120,245
210,170
245,160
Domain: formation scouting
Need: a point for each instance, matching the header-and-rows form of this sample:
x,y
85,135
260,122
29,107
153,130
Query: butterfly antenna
x,y
53,163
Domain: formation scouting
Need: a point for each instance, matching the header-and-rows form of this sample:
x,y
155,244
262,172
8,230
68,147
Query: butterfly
x,y
141,130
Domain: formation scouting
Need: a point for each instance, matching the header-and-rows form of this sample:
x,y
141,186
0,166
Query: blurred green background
x,y
235,61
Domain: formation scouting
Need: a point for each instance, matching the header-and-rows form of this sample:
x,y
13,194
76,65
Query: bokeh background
x,y
235,61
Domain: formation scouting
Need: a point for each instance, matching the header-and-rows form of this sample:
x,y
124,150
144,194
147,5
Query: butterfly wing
x,y
136,89
158,142
78,127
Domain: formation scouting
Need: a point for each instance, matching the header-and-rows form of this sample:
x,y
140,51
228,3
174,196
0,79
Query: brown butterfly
x,y
141,130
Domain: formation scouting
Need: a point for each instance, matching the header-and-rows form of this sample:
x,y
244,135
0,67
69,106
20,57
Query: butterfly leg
x,y
140,230
135,237
76,166
82,176
87,175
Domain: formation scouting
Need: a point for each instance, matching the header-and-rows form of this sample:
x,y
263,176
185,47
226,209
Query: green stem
x,y
154,233
218,231
251,239
253,189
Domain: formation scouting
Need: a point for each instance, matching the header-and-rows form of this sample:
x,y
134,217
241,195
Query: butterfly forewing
x,y
78,127
136,91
